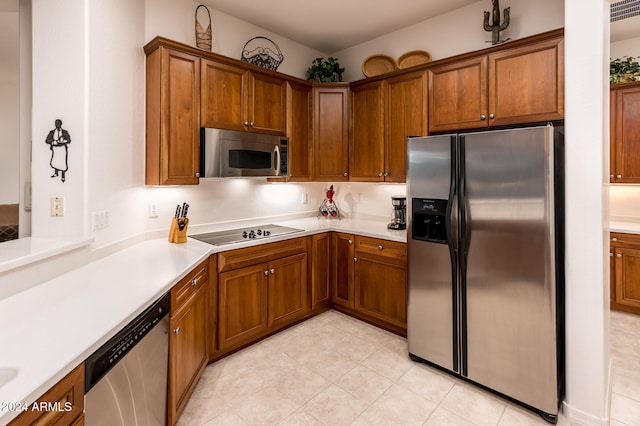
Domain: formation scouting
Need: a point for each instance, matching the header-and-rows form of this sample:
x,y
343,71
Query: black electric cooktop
x,y
231,236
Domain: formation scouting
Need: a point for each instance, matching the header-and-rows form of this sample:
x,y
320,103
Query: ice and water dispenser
x,y
429,219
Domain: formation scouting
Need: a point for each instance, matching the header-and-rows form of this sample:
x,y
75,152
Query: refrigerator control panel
x,y
429,219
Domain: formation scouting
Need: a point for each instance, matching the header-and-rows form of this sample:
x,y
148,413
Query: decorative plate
x,y
378,64
413,58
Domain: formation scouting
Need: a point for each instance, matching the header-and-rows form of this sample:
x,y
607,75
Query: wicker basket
x,y
203,37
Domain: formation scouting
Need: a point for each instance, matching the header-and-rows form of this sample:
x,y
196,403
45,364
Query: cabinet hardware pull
x,y
350,241
273,271
266,272
380,174
345,174
176,330
483,117
380,247
198,174
355,259
491,116
251,124
386,174
610,176
610,254
614,239
194,281
619,176
618,255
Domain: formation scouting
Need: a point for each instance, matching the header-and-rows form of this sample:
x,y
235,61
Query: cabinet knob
x,y
380,247
483,117
619,176
266,272
194,282
610,176
618,255
345,174
610,254
380,174
350,242
198,174
614,239
491,116
355,259
273,271
176,330
386,174
246,123
251,124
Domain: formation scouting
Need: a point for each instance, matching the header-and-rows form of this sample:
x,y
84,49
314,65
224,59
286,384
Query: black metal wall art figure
x,y
496,26
58,140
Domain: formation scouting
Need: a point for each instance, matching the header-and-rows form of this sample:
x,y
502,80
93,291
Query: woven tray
x,y
378,64
413,58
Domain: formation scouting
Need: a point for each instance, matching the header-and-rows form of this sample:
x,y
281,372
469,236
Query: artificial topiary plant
x,y
623,70
325,70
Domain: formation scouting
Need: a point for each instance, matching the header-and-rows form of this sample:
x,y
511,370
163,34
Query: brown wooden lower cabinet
x,y
625,274
63,404
188,331
320,272
342,261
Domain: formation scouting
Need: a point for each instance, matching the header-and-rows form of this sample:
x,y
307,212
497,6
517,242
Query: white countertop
x,y
49,329
626,225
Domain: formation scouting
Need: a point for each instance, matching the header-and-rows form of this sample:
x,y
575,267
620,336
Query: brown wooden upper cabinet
x,y
625,133
383,114
331,132
300,107
516,85
236,98
172,117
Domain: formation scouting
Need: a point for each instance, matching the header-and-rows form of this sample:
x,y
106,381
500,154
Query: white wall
x,y
629,47
25,116
587,210
456,32
9,108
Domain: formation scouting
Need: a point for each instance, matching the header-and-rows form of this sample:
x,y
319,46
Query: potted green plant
x,y
624,70
325,70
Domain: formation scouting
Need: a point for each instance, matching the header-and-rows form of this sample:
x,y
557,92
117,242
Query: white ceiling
x,y
332,25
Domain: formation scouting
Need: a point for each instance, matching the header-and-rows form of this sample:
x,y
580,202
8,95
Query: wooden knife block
x,y
178,230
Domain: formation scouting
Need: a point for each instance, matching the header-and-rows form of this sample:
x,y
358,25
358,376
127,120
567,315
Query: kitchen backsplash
x,y
229,199
625,202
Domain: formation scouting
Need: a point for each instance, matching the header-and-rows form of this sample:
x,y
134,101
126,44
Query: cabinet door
x,y
612,136
242,308
331,133
224,96
458,95
366,143
287,290
627,136
321,271
173,118
526,84
627,269
342,264
267,104
406,115
299,131
381,288
612,278
188,353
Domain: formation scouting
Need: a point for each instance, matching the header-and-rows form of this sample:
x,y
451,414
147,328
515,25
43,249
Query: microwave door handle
x,y
276,155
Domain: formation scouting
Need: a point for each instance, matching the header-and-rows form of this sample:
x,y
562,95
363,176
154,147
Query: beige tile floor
x,y
335,370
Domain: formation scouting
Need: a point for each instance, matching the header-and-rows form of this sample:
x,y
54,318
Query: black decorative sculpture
x,y
496,26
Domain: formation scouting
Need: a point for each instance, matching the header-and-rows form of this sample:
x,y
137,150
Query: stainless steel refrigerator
x,y
485,240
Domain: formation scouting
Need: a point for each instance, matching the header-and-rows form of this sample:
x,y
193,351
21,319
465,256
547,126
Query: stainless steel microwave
x,y
228,153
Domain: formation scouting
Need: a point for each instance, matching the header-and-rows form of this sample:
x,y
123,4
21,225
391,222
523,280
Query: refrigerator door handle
x,y
452,204
463,251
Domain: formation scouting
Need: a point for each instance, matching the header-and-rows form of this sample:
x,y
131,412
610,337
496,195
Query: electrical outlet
x,y
100,220
57,206
153,210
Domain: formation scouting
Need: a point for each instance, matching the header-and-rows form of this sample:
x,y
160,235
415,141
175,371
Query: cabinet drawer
x,y
381,247
619,239
189,285
240,258
66,396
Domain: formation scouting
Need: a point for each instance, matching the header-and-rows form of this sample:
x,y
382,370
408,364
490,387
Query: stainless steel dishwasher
x,y
126,378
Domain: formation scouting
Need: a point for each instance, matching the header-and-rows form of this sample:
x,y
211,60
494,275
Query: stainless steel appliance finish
x,y
126,379
231,236
228,153
485,260
399,215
